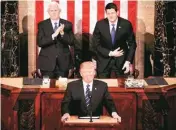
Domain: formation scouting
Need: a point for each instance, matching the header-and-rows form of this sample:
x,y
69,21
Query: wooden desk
x,y
104,123
39,108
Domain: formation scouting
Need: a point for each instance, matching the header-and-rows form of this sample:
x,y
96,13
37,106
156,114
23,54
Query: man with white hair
x,y
54,36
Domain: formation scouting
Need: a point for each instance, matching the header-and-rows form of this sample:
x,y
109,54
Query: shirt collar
x,y
85,84
55,21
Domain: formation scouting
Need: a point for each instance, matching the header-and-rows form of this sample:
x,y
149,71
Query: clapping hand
x,y
60,30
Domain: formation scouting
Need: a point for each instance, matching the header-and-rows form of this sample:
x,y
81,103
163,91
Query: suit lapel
x,y
108,34
94,94
117,29
81,91
50,26
61,22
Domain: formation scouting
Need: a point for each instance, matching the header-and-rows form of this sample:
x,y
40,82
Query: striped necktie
x,y
55,26
87,96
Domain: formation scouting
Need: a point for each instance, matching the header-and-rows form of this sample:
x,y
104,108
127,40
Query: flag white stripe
x,y
63,6
106,2
78,15
78,12
93,15
46,3
124,9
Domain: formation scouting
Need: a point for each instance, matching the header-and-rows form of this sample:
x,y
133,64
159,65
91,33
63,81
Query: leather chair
x,y
136,73
36,74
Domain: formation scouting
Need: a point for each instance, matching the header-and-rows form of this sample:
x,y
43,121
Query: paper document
x,y
88,117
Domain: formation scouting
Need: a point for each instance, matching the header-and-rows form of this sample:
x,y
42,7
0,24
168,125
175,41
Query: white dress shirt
x,y
55,21
85,86
53,24
115,25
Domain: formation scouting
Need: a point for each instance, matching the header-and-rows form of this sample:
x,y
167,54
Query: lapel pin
x,y
119,26
95,88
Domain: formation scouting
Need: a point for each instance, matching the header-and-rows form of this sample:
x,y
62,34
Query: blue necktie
x,y
55,26
113,33
87,96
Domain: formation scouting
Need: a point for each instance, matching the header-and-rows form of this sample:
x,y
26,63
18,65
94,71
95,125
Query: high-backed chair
x,y
36,74
136,73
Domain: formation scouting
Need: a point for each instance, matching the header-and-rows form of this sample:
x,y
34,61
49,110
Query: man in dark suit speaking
x,y
54,36
115,43
81,95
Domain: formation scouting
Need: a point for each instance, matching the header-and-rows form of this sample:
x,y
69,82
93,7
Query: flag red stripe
x,y
132,13
71,12
39,13
117,2
100,9
39,16
85,15
132,16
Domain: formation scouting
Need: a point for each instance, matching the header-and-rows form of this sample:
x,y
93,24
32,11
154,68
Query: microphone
x,y
90,108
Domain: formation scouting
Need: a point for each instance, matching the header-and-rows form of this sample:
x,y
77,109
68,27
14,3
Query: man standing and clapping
x,y
54,36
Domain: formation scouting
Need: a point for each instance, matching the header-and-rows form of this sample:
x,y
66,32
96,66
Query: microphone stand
x,y
90,108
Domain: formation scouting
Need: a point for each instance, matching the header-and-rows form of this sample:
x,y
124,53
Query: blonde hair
x,y
87,65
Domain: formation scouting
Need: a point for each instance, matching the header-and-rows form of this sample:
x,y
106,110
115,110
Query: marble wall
x,y
14,45
165,39
10,39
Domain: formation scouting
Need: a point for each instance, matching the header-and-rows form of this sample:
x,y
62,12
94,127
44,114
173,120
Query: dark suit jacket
x,y
124,39
74,99
50,49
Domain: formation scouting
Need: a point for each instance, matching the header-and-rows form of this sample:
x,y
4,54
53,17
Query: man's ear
x,y
60,10
95,73
80,73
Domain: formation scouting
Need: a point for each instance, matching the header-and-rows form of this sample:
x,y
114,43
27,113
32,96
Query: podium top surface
x,y
102,119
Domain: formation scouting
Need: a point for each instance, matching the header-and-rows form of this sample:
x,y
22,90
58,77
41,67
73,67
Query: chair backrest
x,y
36,74
136,73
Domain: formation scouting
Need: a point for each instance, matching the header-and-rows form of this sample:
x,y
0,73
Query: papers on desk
x,y
88,117
99,120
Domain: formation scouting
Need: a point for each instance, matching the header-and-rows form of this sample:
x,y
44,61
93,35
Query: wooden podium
x,y
104,123
34,107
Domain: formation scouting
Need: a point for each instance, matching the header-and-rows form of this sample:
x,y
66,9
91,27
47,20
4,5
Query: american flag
x,y
84,13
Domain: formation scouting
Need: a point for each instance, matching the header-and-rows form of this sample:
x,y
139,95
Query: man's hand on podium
x,y
116,116
65,117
